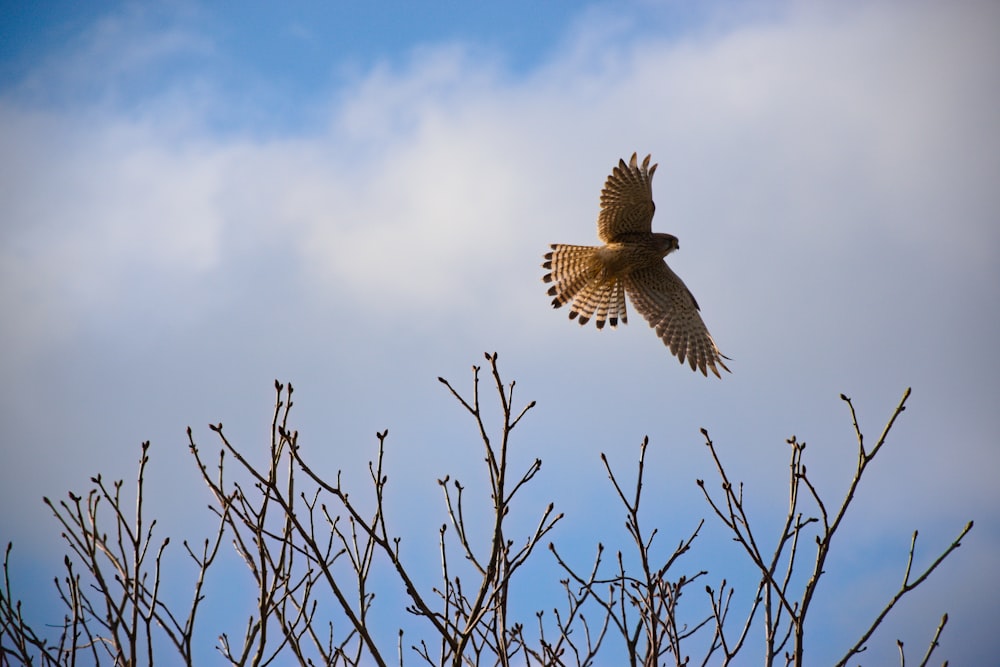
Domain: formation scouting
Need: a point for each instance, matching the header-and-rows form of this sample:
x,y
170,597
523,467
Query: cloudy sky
x,y
198,200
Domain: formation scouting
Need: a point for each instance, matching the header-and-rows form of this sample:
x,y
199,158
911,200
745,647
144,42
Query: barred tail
x,y
577,276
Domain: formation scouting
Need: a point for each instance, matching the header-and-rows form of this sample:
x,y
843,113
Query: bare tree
x,y
784,610
643,608
310,546
111,589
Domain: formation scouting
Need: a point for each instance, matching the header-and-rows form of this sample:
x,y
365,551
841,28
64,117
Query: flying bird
x,y
595,280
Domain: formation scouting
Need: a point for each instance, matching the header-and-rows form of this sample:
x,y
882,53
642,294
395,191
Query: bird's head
x,y
666,243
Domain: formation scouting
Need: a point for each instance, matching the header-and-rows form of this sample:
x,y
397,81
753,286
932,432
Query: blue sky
x,y
196,200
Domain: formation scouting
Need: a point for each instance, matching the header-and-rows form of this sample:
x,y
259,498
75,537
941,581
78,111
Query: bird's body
x,y
595,279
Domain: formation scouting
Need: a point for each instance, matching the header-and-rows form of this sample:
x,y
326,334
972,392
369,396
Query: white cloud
x,y
437,169
89,207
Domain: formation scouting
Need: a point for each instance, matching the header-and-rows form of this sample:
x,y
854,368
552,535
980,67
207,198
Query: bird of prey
x,y
595,279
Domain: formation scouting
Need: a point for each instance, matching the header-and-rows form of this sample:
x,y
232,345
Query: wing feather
x,y
627,201
667,304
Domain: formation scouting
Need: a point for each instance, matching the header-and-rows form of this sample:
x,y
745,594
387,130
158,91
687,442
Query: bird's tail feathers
x,y
577,275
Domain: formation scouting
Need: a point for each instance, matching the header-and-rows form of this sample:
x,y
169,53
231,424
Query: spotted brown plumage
x,y
595,279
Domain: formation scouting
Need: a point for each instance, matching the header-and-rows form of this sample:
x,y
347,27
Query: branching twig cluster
x,y
643,608
784,609
480,620
112,587
311,550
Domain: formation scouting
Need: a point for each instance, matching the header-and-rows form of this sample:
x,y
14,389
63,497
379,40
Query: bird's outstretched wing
x,y
627,201
667,304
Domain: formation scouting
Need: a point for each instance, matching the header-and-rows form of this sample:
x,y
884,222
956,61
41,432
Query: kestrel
x,y
596,279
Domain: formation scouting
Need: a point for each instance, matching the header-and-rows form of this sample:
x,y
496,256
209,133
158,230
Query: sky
x,y
197,199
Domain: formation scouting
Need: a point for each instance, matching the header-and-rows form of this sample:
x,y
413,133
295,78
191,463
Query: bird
x,y
595,279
